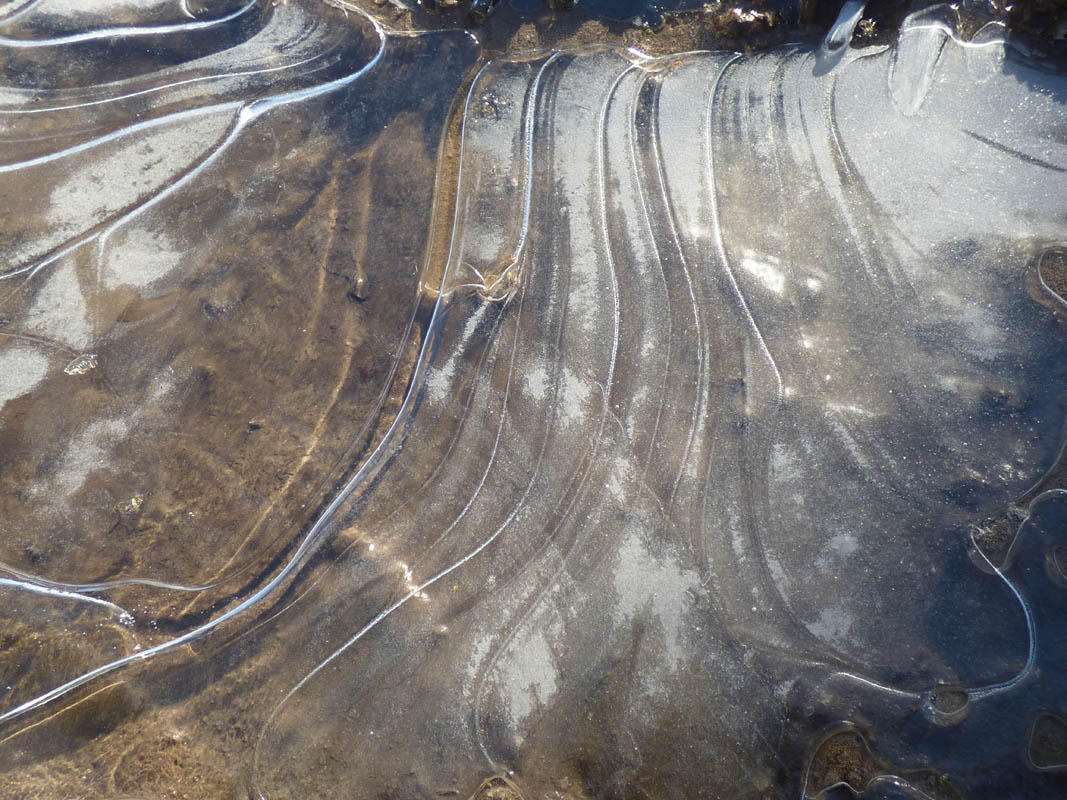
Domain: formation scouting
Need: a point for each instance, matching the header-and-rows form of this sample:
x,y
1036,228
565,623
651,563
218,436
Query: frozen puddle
x,y
701,438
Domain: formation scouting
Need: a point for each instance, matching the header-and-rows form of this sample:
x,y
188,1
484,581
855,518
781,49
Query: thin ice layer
x,y
702,484
686,465
200,296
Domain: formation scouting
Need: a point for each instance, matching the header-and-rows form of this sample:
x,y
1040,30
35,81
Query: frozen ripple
x,y
734,354
714,450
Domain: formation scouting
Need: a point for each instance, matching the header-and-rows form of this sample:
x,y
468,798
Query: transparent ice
x,y
644,427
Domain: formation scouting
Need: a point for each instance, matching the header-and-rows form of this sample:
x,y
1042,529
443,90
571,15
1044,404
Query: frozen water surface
x,y
644,427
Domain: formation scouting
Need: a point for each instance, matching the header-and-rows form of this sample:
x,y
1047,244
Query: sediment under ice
x,y
680,457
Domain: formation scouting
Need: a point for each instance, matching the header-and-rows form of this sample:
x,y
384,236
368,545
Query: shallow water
x,y
686,426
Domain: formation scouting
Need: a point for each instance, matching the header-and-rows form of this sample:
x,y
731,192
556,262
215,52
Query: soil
x,y
844,759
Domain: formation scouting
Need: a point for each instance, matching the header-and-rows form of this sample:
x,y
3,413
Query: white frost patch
x,y
765,271
479,649
648,346
737,542
840,546
59,312
535,381
949,383
439,384
585,301
88,452
849,408
637,415
778,574
833,626
162,385
527,674
585,298
850,444
93,8
782,690
784,464
574,395
103,180
440,380
964,385
737,533
138,257
619,479
21,369
979,322
645,584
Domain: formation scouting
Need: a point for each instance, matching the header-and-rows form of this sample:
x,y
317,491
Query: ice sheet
x,y
684,426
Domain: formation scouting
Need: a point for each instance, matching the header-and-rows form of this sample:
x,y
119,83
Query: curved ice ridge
x,y
724,357
296,20
773,320
36,13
